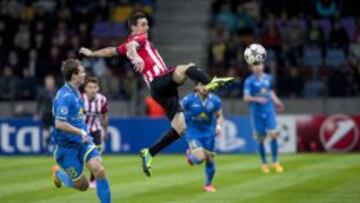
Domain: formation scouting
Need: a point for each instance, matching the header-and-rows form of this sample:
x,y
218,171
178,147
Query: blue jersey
x,y
260,87
68,106
200,115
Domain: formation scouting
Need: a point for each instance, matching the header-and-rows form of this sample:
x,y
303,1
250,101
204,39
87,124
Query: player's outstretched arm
x,y
105,52
219,121
104,124
248,98
277,101
132,54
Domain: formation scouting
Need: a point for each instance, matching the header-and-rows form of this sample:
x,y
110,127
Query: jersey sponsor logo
x,y
64,110
202,116
339,133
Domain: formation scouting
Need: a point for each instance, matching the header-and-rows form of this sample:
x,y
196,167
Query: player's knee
x,y
179,126
180,72
200,155
261,140
99,172
274,135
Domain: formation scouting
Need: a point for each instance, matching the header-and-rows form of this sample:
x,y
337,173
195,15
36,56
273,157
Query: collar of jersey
x,y
76,92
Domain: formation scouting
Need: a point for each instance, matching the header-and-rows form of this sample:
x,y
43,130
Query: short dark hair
x,y
133,20
70,67
91,79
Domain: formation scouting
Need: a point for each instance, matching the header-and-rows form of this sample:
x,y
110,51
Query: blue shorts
x,y
206,143
263,124
73,159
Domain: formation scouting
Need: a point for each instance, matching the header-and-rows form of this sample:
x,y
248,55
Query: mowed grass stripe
x,y
39,185
194,176
245,189
185,180
310,189
139,184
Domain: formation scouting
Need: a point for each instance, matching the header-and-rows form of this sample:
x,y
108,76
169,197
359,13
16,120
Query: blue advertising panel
x,y
125,135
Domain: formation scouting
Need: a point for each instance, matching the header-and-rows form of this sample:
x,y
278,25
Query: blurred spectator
x,y
354,53
8,82
226,17
326,8
291,83
153,109
44,105
110,84
315,34
317,44
338,35
218,46
22,37
336,81
26,87
313,86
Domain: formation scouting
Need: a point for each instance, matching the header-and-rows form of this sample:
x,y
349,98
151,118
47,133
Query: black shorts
x,y
164,90
96,135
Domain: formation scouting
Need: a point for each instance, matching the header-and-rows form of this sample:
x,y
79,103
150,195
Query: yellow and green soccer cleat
x,y
265,168
277,167
55,179
217,83
146,159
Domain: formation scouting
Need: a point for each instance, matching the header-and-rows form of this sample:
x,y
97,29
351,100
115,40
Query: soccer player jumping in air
x,y
73,146
162,82
204,119
259,93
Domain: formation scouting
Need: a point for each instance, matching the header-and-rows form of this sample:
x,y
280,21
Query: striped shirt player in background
x,y
162,82
96,115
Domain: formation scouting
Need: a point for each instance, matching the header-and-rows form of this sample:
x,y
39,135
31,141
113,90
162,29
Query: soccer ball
x,y
255,54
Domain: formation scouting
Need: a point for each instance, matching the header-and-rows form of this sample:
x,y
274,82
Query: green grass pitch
x,y
308,178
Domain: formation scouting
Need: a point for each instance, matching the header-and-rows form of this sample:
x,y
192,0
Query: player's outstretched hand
x,y
138,64
84,136
85,51
261,100
280,106
219,130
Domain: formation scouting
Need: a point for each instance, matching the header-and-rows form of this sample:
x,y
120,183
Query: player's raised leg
x,y
102,184
60,177
182,72
178,127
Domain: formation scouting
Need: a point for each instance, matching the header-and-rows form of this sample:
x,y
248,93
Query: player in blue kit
x,y
73,147
259,93
204,118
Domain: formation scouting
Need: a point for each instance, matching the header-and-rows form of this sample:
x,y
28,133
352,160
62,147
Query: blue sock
x,y
209,171
193,159
63,177
103,190
274,150
262,152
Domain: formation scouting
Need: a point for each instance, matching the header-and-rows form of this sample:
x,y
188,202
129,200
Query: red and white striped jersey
x,y
154,64
93,109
